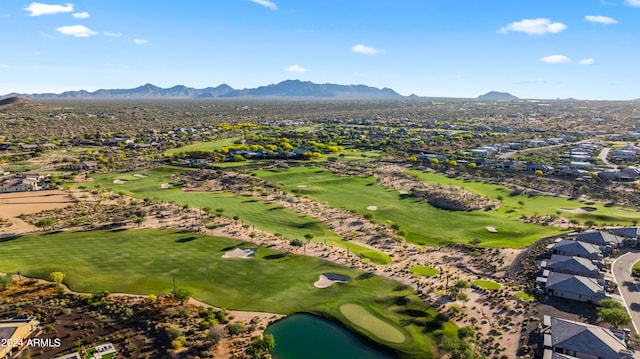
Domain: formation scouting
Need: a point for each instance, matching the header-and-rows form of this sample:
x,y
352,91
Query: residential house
x,y
627,153
599,238
568,247
631,234
511,165
15,332
23,183
533,167
566,339
430,156
574,287
573,265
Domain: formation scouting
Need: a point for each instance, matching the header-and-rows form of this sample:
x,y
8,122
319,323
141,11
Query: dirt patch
x,y
119,181
327,279
372,208
141,175
13,205
165,186
492,229
302,186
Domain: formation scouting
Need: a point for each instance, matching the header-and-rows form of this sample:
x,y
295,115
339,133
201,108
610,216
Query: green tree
x,y
56,277
181,294
261,346
46,223
5,281
613,312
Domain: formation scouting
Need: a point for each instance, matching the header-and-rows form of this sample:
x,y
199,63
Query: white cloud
x,y
555,59
587,62
80,15
297,69
76,30
37,9
599,19
265,3
4,66
140,41
367,50
539,26
635,3
112,34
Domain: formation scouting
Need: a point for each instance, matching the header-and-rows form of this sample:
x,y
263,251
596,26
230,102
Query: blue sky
x,y
586,49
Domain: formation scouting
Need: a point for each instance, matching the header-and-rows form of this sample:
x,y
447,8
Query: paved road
x,y
629,288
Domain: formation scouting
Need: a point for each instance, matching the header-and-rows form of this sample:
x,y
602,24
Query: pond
x,y
308,336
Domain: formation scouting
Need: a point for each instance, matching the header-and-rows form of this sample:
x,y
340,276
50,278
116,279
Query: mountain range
x,y
286,89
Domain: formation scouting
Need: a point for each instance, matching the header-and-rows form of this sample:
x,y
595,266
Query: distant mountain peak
x,y
495,95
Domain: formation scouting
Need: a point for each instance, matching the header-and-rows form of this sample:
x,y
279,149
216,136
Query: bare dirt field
x,y
14,204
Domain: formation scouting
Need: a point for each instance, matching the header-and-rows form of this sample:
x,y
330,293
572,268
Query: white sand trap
x,y
327,279
119,181
240,253
141,175
302,186
165,185
573,210
372,208
492,229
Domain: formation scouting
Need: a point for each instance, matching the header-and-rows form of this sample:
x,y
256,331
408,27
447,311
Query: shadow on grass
x,y
401,287
365,276
9,237
226,249
186,239
275,256
436,324
415,313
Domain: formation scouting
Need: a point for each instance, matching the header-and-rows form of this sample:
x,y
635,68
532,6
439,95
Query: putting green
x,y
361,317
486,284
424,271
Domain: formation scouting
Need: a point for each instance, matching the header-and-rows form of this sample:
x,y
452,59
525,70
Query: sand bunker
x,y
165,185
492,229
240,253
372,208
141,175
578,210
119,181
327,279
302,186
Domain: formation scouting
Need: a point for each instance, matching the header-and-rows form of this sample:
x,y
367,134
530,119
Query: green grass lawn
x,y
525,296
424,271
252,211
204,146
422,223
486,284
148,260
516,205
